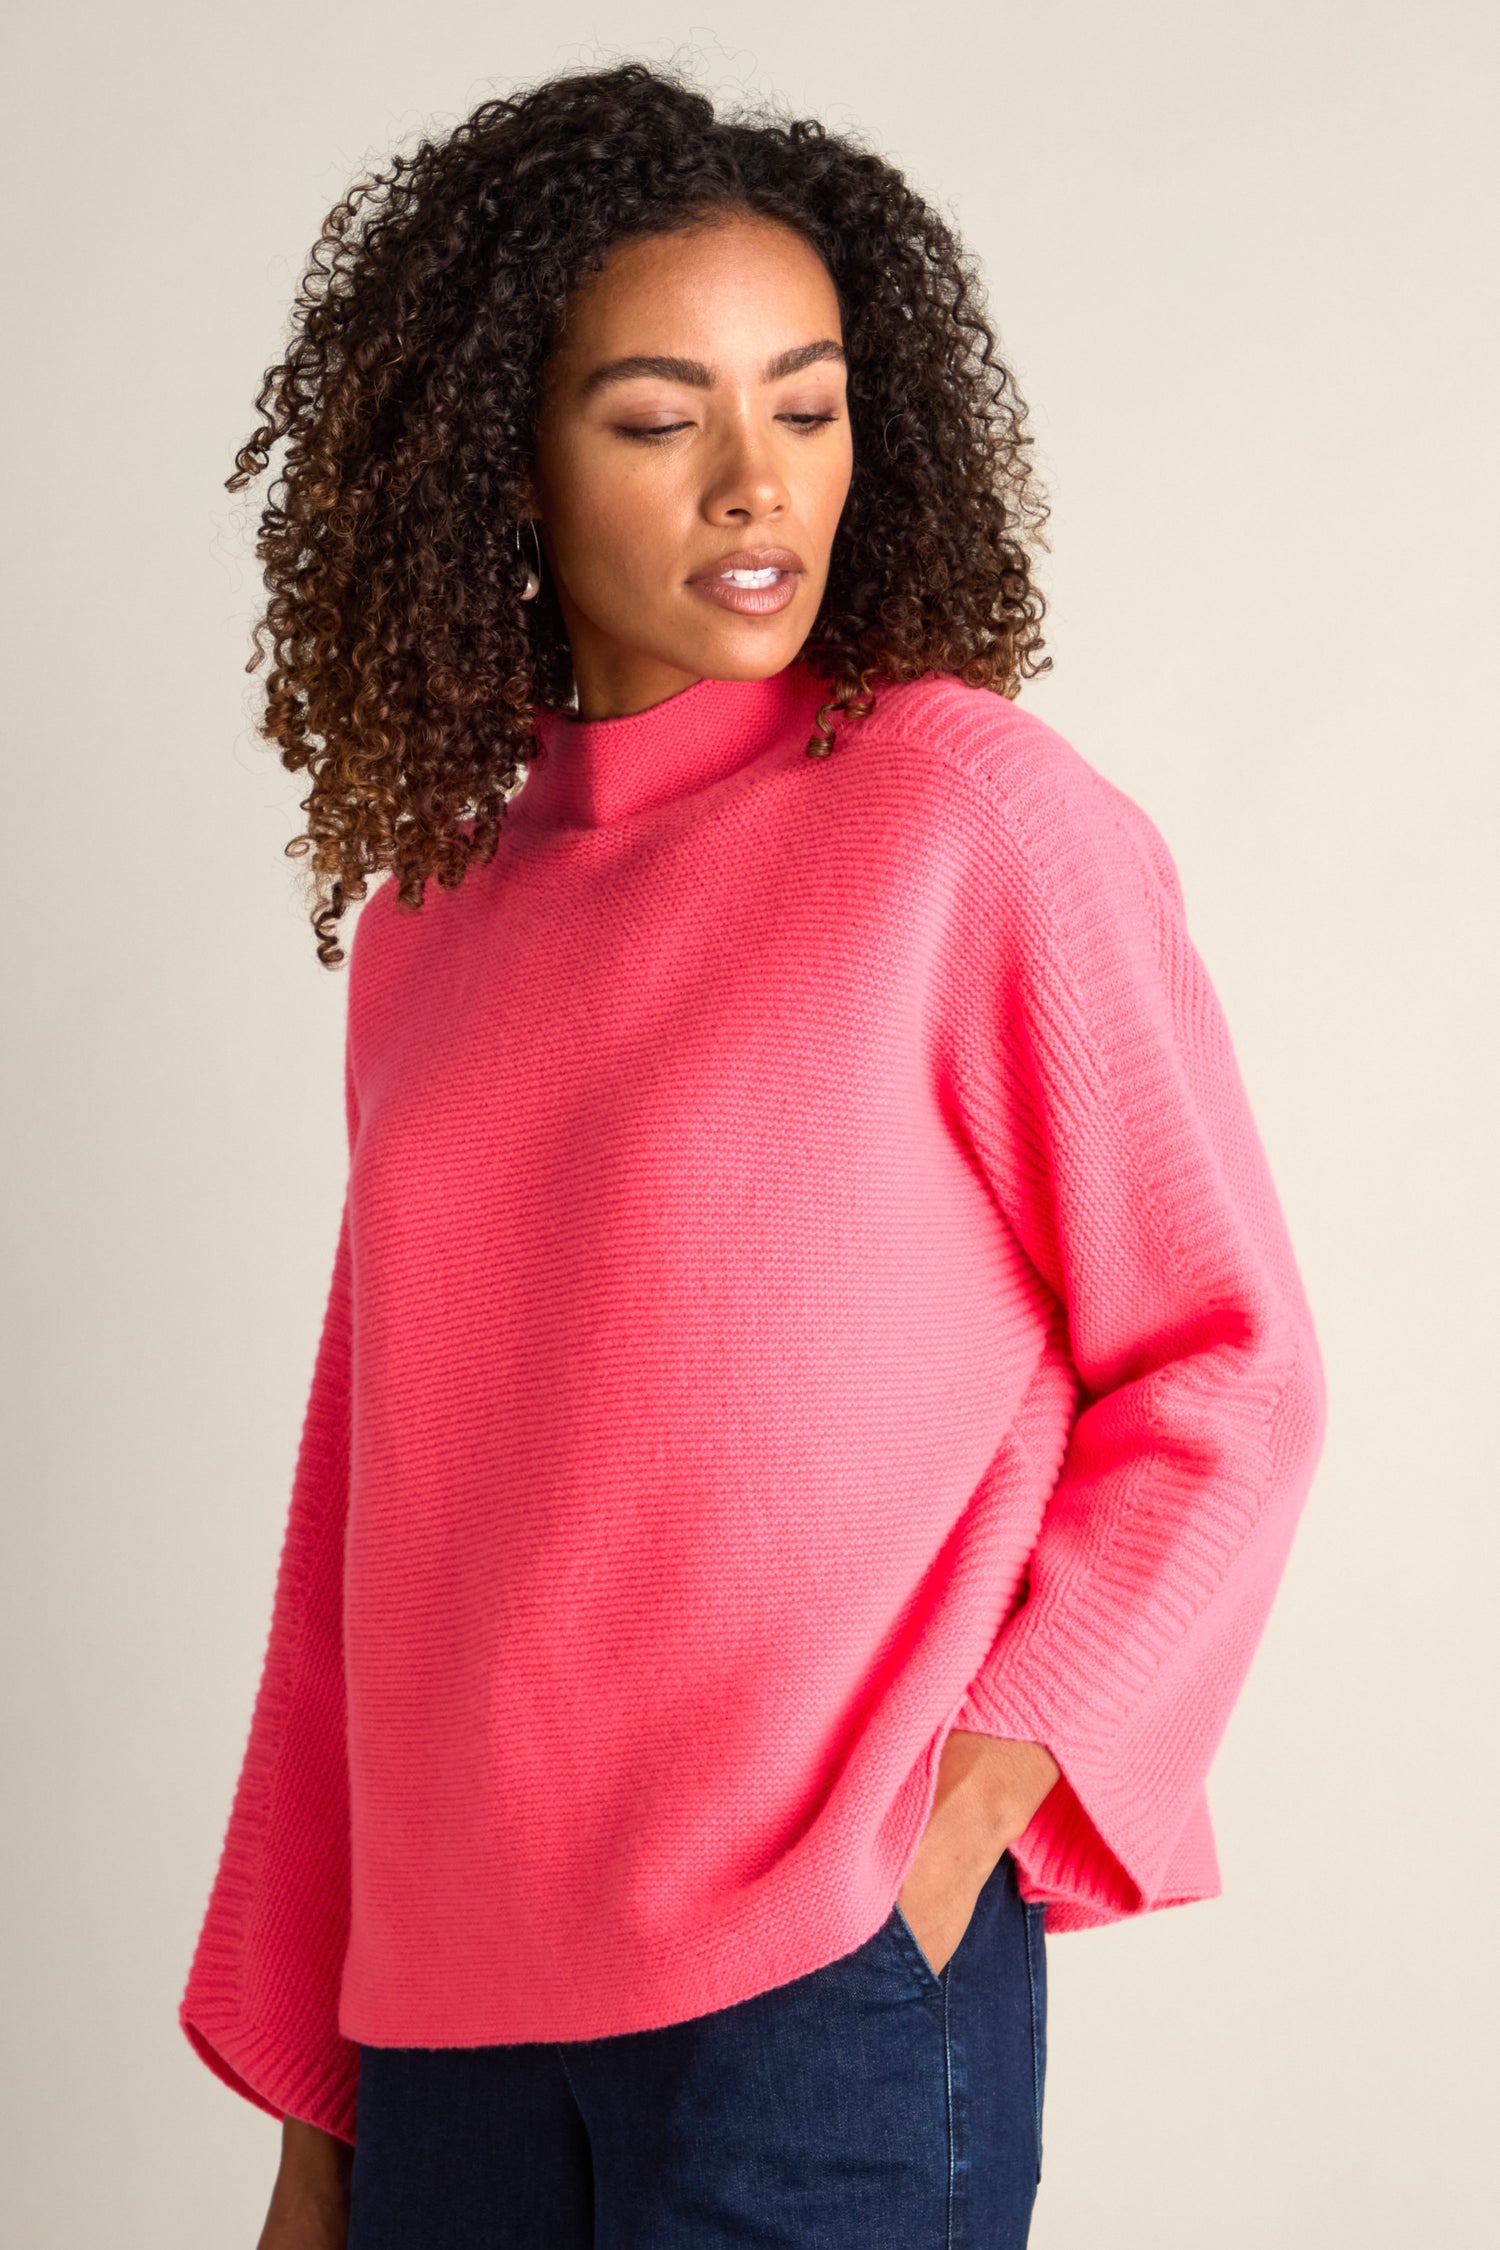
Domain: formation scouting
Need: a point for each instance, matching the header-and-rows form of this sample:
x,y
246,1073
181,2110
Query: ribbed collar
x,y
589,772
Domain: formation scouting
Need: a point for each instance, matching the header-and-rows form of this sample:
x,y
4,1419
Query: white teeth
x,y
750,577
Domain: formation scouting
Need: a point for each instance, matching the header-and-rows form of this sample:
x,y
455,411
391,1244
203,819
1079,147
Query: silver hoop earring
x,y
533,585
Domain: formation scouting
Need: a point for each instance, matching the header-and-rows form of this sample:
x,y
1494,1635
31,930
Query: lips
x,y
750,558
762,596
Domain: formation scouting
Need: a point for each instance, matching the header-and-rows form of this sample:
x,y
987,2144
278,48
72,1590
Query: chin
x,y
748,655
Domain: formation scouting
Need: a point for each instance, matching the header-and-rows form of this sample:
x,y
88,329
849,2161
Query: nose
x,y
745,485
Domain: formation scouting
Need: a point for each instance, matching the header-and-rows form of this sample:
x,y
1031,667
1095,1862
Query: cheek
x,y
617,522
823,487
840,477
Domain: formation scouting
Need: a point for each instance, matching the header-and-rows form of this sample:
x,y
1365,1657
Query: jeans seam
x,y
568,2075
1032,1920
948,2087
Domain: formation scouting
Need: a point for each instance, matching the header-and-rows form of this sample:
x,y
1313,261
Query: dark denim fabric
x,y
869,2105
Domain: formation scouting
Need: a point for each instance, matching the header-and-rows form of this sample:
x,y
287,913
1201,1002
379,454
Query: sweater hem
x,y
255,2064
758,1967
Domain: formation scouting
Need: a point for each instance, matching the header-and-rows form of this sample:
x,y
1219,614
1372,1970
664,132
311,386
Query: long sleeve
x,y
261,2002
1105,1102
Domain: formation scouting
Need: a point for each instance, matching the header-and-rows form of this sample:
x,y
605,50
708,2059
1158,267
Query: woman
x,y
816,1392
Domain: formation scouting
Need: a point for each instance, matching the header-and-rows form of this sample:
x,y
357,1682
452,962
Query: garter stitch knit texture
x,y
809,1279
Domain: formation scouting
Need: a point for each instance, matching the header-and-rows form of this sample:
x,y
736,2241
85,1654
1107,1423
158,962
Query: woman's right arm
x,y
262,1998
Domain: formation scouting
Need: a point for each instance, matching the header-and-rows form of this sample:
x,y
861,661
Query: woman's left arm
x,y
1101,1090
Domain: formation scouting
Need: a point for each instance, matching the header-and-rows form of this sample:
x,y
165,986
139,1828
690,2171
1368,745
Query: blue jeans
x,y
869,2105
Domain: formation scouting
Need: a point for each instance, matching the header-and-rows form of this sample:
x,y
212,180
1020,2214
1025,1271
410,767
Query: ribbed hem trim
x,y
256,2063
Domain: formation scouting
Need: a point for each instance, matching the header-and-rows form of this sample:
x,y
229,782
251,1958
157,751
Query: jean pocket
x,y
905,1938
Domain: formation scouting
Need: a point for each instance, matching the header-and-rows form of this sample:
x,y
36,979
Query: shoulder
x,y
371,934
1017,774
385,929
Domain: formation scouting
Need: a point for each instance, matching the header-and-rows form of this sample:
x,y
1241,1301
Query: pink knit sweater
x,y
809,1279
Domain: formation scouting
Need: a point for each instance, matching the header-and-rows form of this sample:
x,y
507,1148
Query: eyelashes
x,y
805,423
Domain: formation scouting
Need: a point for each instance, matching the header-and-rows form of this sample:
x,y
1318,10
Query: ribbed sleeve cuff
x,y
1092,1850
258,2062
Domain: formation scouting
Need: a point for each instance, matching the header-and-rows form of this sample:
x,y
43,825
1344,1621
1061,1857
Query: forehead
x,y
731,292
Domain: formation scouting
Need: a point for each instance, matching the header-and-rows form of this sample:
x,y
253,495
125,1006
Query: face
x,y
693,423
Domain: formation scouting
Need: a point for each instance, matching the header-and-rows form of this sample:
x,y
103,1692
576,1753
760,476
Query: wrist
x,y
1008,1779
313,2162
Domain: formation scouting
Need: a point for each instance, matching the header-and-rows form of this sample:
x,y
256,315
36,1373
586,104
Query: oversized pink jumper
x,y
809,1279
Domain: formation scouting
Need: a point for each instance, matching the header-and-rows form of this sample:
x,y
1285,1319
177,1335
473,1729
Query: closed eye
x,y
658,431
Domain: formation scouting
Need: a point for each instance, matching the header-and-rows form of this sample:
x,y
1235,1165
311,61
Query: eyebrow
x,y
700,374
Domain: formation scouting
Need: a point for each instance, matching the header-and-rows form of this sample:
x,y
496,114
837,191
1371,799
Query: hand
x,y
310,2201
988,1788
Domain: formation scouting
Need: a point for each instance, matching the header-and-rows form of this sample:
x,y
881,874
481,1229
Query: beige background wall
x,y
1244,261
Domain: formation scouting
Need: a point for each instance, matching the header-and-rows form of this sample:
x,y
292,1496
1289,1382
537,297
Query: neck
x,y
589,772
625,686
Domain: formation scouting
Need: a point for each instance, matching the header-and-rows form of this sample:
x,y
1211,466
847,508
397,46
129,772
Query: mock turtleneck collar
x,y
590,772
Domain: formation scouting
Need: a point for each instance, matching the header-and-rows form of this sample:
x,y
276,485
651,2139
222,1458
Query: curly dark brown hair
x,y
407,669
